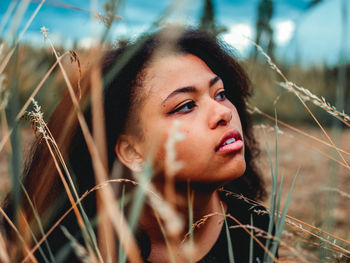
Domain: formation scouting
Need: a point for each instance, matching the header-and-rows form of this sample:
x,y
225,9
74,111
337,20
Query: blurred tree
x,y
297,22
207,21
264,31
313,3
343,59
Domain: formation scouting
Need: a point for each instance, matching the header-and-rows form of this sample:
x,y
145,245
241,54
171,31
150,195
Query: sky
x,y
312,36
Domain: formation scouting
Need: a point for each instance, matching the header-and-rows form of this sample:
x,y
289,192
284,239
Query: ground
x,y
321,195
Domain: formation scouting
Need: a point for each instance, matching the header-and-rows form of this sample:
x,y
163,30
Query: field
x,y
298,118
319,180
321,193
320,199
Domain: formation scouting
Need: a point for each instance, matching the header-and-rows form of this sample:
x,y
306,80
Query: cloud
x,y
238,36
284,31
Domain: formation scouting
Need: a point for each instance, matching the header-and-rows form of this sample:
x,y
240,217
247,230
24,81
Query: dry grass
x,y
317,216
312,186
311,190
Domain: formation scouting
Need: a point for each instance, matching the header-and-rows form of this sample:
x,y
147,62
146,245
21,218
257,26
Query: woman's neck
x,y
206,206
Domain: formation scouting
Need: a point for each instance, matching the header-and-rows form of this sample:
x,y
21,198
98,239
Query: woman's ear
x,y
129,153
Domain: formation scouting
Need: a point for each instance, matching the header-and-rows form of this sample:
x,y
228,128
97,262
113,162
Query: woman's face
x,y
182,87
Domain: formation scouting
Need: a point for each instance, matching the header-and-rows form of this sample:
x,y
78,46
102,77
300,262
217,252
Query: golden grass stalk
x,y
200,222
275,68
173,166
56,224
334,250
341,193
332,243
254,237
43,129
107,196
169,246
7,15
29,100
95,188
4,257
298,221
79,250
264,234
304,94
257,110
319,230
104,228
9,55
19,235
309,146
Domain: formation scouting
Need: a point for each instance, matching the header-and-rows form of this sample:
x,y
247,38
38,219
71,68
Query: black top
x,y
243,212
219,253
240,239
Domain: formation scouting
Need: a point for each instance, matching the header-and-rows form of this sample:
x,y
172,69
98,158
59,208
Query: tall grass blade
x,y
121,253
229,242
139,198
273,215
88,233
272,197
4,256
251,242
16,20
171,254
38,220
91,238
79,250
101,175
282,218
279,195
15,142
140,194
46,260
127,55
190,217
19,235
19,14
29,22
276,150
7,15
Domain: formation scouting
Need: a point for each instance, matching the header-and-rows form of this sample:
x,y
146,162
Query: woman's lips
x,y
232,147
230,142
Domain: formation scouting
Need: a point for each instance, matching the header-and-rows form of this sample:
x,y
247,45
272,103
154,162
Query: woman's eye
x,y
221,95
187,107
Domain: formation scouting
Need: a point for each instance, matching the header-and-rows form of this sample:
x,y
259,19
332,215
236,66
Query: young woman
x,y
173,76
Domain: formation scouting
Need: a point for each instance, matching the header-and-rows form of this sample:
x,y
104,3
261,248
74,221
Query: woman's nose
x,y
219,115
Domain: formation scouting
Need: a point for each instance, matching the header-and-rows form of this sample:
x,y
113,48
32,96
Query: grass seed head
x,y
44,31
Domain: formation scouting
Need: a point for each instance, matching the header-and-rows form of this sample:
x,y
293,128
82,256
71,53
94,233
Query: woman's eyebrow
x,y
190,89
214,80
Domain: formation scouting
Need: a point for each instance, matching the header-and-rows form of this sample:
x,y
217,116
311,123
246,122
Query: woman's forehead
x,y
166,73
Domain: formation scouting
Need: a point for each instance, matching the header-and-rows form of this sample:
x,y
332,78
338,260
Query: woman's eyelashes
x,y
186,107
189,105
221,95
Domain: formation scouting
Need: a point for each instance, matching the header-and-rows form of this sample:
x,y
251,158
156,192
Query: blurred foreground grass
x,y
311,192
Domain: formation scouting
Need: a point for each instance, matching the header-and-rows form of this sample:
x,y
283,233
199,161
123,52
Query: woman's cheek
x,y
166,152
170,154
